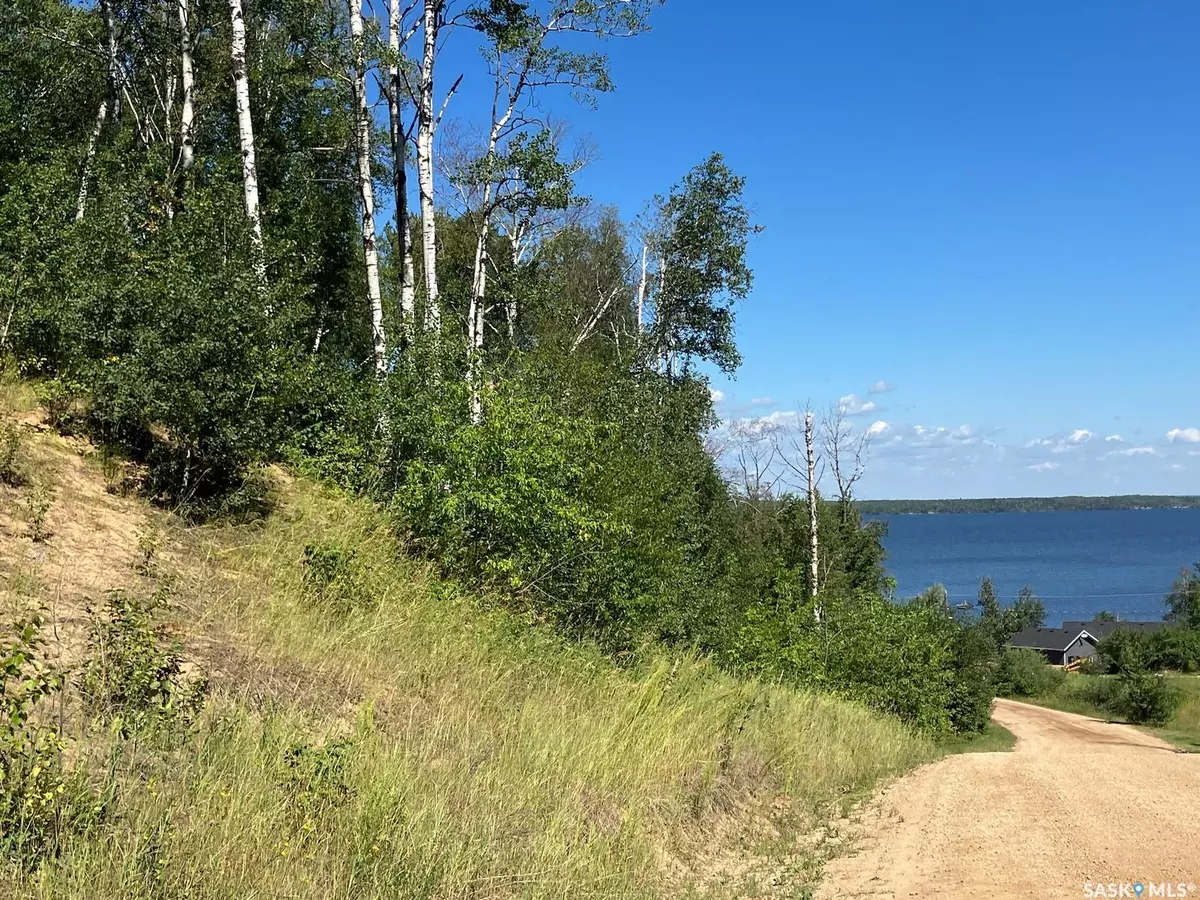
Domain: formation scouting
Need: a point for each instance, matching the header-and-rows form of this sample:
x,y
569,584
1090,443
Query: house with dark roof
x,y
1075,640
1060,646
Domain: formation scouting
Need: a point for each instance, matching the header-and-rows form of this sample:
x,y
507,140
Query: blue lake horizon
x,y
1077,562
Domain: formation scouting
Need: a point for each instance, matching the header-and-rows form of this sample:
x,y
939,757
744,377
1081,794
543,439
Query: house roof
x,y
1049,638
1101,630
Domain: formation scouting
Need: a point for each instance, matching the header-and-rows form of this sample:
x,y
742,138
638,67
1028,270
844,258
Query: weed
x,y
133,676
10,451
336,578
149,540
38,500
39,802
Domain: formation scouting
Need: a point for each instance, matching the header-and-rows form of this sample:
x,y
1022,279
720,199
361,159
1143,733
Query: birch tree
x,y
366,189
810,460
519,170
696,249
187,113
241,86
431,22
398,38
88,158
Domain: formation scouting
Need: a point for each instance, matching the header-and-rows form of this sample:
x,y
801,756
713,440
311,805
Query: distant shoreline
x,y
1026,504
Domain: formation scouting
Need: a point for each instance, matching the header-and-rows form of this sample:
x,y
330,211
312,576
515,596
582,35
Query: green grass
x,y
426,743
1076,694
994,738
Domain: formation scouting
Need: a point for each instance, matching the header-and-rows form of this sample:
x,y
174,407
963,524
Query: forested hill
x,y
1025,504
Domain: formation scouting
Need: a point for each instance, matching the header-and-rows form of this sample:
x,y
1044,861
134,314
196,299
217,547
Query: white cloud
x,y
854,405
880,387
761,401
1043,467
1114,439
1080,436
1176,467
717,396
1184,435
1133,451
878,428
1194,453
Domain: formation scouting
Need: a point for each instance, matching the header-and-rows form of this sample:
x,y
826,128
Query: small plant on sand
x,y
10,451
38,500
149,540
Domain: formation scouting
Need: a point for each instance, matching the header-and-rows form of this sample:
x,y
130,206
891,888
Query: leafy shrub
x,y
133,676
1148,699
1103,693
39,801
62,398
315,776
1176,649
974,686
1025,673
897,659
1124,651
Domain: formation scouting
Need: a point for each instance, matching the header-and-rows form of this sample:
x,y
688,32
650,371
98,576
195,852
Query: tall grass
x,y
419,742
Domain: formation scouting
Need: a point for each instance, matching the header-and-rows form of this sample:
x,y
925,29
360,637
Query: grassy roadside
x,y
1076,694
371,731
995,738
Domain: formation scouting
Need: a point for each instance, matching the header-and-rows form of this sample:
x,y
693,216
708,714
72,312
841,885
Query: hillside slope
x,y
371,731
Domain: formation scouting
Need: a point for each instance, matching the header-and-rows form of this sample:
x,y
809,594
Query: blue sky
x,y
993,208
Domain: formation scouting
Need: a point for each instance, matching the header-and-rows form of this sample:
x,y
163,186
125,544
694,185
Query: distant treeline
x,y
1025,504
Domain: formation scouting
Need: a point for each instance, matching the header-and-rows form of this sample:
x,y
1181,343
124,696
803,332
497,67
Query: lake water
x,y
1078,562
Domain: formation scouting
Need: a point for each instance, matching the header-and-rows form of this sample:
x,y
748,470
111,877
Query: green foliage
x,y
1183,600
975,674
1025,673
315,776
38,500
336,578
1148,699
39,801
1002,622
702,245
133,676
10,454
897,659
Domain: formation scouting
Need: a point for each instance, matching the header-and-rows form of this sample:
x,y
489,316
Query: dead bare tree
x,y
752,448
846,453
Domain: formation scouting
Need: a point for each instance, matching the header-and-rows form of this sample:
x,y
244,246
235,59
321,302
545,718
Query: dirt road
x,y
1076,801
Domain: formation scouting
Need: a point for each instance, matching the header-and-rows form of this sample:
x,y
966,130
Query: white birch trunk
x,y
400,175
425,129
93,140
366,188
641,294
187,115
114,67
241,86
814,542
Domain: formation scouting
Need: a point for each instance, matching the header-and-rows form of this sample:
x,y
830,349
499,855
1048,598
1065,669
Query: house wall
x,y
1081,649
